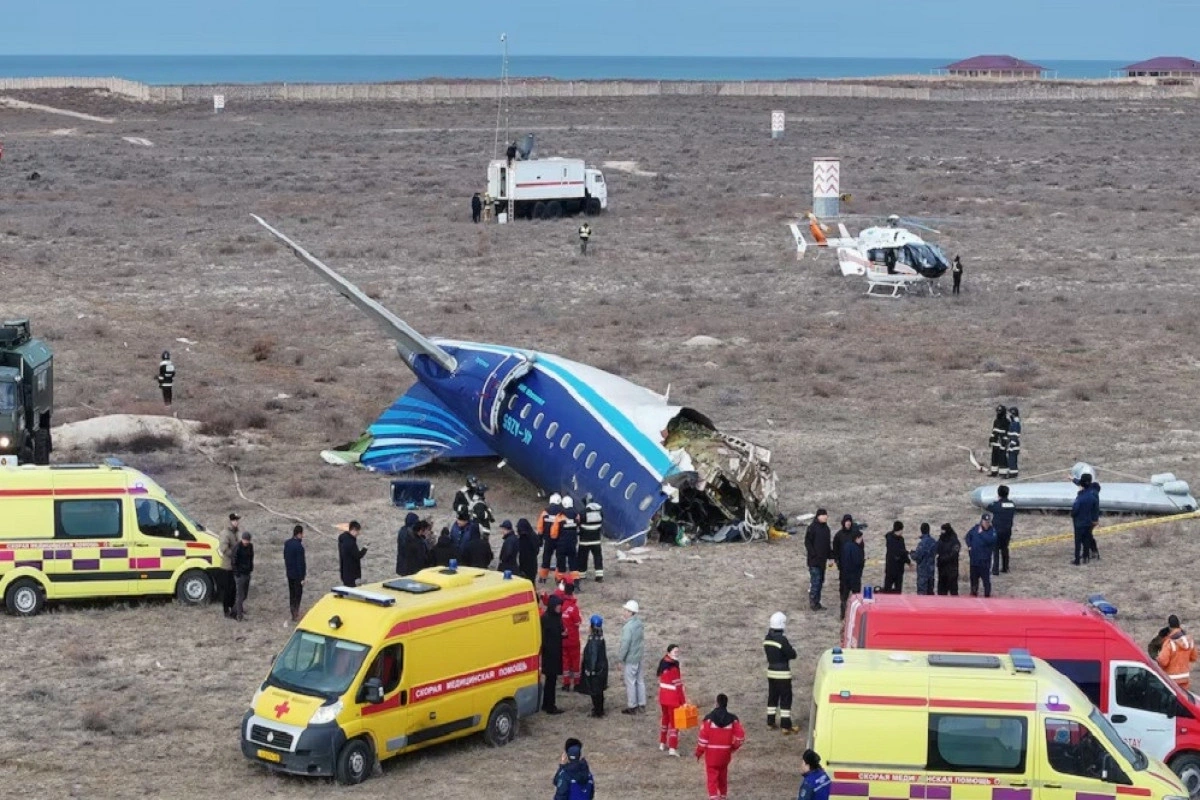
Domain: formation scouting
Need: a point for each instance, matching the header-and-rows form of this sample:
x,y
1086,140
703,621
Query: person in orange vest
x,y
670,697
1177,653
721,734
572,648
548,533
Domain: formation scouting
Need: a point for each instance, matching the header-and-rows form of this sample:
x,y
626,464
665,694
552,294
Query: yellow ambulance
x,y
965,726
72,532
391,667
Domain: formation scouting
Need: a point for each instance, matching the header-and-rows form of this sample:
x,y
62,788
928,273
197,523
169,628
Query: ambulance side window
x,y
977,743
87,519
1140,688
1073,750
387,667
155,519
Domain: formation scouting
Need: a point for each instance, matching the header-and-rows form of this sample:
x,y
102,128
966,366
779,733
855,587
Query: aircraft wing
x,y
417,429
408,340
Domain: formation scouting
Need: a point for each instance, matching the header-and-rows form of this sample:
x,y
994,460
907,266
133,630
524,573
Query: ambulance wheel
x,y
194,588
539,210
554,210
502,725
25,597
354,763
1187,767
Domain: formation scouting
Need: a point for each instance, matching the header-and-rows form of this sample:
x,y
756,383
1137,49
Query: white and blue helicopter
x,y
564,426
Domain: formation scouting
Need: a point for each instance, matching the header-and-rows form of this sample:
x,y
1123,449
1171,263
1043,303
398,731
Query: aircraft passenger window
x,y
630,491
616,481
1073,750
537,421
1140,688
566,440
646,502
525,410
512,402
551,429
977,743
579,448
87,519
603,471
591,459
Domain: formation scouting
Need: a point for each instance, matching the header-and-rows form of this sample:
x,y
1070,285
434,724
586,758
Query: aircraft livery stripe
x,y
413,409
377,430
455,614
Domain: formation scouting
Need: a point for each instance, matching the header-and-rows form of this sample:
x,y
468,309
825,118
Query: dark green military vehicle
x,y
26,394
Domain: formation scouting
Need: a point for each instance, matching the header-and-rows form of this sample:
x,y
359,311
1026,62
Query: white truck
x,y
546,188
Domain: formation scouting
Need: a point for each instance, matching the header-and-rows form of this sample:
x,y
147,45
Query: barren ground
x,y
1078,226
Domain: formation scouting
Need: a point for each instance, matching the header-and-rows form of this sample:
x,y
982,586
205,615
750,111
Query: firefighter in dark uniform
x,y
548,533
1014,440
1002,511
999,443
565,567
166,377
476,207
591,525
779,673
467,496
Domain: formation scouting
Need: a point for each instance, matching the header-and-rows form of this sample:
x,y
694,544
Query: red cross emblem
x,y
282,709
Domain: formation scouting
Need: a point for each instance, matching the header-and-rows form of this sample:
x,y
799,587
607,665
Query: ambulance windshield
x,y
317,665
1135,758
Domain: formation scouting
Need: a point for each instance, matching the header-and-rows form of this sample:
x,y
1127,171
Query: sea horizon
x,y
253,69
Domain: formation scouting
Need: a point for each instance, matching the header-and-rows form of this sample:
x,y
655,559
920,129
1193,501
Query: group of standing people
x,y
936,560
570,538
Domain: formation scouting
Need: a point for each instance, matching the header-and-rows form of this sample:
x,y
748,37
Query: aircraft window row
x,y
616,481
603,472
591,459
537,421
525,410
566,440
579,448
551,429
646,501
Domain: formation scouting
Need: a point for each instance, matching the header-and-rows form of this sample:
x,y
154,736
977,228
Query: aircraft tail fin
x,y
415,430
408,341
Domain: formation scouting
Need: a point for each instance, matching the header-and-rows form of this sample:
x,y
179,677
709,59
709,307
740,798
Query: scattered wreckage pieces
x,y
1163,494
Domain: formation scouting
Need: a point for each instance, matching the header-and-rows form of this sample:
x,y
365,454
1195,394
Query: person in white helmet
x,y
566,543
630,656
548,533
779,673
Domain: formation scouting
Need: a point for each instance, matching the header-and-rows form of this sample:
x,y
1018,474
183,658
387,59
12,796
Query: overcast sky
x,y
1034,29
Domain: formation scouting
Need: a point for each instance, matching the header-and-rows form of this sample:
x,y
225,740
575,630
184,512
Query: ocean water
x,y
171,70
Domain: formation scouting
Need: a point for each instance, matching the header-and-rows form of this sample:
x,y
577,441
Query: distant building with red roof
x,y
994,67
1164,67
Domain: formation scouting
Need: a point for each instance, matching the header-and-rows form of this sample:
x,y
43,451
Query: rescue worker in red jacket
x,y
1177,653
670,697
721,735
572,648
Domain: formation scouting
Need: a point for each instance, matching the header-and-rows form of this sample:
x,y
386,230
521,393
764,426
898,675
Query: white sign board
x,y
777,118
218,102
827,177
9,461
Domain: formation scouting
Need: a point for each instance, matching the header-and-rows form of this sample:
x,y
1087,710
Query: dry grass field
x,y
1078,226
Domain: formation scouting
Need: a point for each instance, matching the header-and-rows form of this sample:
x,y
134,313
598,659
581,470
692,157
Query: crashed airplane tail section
x,y
719,478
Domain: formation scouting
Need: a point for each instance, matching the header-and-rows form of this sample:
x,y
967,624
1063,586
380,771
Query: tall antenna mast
x,y
502,100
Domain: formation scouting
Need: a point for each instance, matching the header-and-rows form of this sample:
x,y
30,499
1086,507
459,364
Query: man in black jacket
x,y
819,549
477,552
296,568
850,568
404,545
350,555
948,550
1002,511
552,649
895,559
243,565
510,547
527,549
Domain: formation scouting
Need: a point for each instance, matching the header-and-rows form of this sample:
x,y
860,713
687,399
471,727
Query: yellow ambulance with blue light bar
x,y
383,669
967,726
76,532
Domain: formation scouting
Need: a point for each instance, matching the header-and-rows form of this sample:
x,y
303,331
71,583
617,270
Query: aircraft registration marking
x,y
514,427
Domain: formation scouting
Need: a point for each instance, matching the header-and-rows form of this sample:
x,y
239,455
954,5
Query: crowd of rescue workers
x,y
566,549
